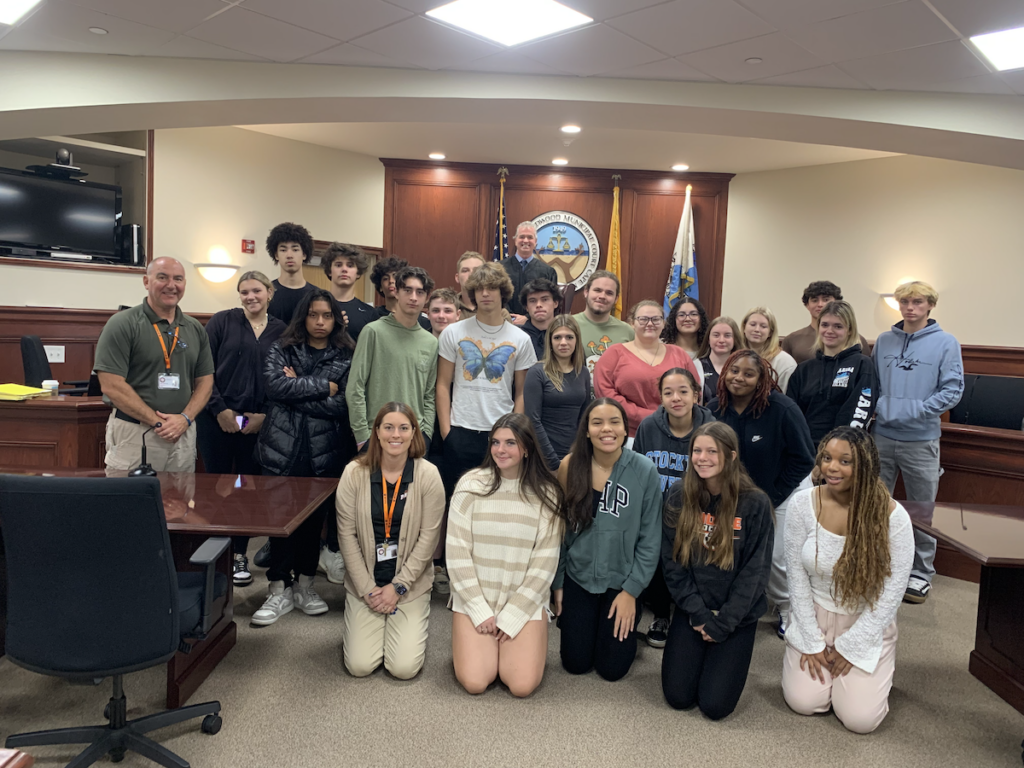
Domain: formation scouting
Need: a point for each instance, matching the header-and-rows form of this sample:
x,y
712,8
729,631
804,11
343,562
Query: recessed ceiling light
x,y
753,60
98,30
436,155
12,10
680,167
559,161
571,129
510,22
1004,49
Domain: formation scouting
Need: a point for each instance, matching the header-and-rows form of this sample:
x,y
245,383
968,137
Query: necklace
x,y
653,361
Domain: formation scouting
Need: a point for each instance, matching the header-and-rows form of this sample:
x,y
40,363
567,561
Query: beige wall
x,y
216,186
869,225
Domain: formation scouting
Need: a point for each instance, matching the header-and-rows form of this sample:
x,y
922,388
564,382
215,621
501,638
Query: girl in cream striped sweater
x,y
504,534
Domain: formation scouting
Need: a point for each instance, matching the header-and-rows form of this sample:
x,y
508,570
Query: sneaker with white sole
x,y
306,599
917,590
657,634
240,571
262,557
332,565
780,628
441,583
278,603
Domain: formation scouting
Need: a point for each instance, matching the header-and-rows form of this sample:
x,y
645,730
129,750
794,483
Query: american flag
x,y
500,228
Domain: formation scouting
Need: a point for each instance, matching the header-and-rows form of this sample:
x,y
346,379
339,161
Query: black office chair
x,y
37,367
92,593
960,412
997,401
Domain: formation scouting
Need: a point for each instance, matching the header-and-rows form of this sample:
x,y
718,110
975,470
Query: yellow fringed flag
x,y
614,263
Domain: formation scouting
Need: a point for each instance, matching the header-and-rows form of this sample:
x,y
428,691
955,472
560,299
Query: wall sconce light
x,y
219,267
890,299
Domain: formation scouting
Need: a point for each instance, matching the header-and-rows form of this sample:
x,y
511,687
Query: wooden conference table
x,y
992,536
198,506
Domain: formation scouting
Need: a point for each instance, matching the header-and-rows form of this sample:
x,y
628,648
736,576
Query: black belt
x,y
118,414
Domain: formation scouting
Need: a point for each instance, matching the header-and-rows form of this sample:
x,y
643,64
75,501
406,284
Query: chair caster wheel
x,y
212,723
117,755
106,711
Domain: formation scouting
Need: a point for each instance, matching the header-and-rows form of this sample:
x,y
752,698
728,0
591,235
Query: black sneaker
x,y
917,590
657,634
262,558
241,576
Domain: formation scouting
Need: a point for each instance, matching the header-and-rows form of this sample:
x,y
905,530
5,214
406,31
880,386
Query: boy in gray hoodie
x,y
920,377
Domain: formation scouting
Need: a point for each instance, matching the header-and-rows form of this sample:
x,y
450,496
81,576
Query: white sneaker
x,y
332,565
278,603
306,599
441,583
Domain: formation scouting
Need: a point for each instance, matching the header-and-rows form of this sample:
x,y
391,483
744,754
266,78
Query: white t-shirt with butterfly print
x,y
486,359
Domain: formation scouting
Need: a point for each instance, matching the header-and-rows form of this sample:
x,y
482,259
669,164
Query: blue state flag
x,y
682,275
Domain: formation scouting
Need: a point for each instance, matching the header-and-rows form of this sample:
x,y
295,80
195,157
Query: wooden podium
x,y
55,431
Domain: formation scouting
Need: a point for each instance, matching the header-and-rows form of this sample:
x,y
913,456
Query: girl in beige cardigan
x,y
389,504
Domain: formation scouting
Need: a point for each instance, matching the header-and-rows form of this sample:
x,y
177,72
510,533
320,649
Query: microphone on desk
x,y
144,469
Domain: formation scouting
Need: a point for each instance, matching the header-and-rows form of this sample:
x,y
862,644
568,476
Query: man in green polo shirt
x,y
155,368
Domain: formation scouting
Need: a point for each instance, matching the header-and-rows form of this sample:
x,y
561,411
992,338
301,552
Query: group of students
x,y
581,467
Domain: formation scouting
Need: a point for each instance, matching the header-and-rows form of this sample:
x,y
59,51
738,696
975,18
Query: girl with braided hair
x,y
849,549
775,446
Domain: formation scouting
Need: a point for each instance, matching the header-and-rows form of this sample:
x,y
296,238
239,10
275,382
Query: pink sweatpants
x,y
860,700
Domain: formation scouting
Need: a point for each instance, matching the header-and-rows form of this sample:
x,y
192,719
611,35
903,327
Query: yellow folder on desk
x,y
19,392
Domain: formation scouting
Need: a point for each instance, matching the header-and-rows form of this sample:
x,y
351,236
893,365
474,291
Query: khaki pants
x,y
860,700
124,448
400,641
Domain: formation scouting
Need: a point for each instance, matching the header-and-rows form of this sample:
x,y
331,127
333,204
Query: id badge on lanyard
x,y
167,380
387,549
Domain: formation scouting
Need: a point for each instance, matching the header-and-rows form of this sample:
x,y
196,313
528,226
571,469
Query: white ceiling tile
x,y
786,14
829,76
591,51
600,10
249,32
21,39
352,56
778,55
419,6
990,84
183,47
684,26
869,33
426,44
917,67
976,17
177,16
511,62
344,21
1014,79
666,69
72,22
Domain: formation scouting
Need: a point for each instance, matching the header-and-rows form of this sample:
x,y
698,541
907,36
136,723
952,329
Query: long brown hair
x,y
767,380
737,337
551,369
579,485
688,519
862,568
374,451
534,476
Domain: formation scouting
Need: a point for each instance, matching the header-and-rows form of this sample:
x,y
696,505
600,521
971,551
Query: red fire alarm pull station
x,y
248,246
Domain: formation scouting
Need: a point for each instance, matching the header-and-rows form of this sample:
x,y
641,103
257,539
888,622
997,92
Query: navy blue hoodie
x,y
670,454
835,391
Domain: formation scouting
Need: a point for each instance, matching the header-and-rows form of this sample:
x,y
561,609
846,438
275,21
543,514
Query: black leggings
x,y
710,675
226,454
656,596
299,554
587,640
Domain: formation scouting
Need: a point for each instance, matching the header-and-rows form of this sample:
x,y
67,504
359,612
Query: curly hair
x,y
385,267
860,573
493,276
290,233
671,333
337,251
822,288
418,273
766,381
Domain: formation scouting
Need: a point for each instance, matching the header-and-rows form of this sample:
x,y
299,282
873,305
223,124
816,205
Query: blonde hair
x,y
917,289
645,303
843,311
769,348
551,369
258,277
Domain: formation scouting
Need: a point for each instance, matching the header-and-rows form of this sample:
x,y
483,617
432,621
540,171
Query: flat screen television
x,y
47,217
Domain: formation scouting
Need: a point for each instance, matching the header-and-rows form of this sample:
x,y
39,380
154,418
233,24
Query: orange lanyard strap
x,y
389,512
174,345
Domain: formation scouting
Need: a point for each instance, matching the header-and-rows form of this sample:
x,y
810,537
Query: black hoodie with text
x,y
670,454
835,391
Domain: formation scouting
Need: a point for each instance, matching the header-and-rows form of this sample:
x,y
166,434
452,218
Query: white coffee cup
x,y
51,384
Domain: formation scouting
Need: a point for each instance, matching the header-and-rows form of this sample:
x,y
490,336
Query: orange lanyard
x,y
389,512
174,344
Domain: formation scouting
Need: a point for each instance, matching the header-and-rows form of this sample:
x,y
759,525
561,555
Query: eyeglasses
x,y
688,315
650,320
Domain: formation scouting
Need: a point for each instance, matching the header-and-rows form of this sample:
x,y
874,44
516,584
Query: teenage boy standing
x,y
800,344
920,377
540,297
597,326
290,246
344,265
383,278
468,263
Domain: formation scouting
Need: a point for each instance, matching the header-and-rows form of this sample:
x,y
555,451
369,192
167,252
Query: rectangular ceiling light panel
x,y
509,22
1005,50
12,10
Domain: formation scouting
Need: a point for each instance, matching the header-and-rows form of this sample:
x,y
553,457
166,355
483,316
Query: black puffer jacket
x,y
302,409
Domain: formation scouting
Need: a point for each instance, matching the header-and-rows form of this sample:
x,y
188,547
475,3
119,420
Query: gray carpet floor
x,y
287,701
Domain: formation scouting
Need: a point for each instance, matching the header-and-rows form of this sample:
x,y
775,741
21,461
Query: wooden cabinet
x,y
53,432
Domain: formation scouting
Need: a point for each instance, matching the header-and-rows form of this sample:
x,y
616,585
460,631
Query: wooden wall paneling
x,y
993,361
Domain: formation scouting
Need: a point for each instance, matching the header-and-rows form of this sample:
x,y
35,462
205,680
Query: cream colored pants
x,y
400,641
124,448
860,700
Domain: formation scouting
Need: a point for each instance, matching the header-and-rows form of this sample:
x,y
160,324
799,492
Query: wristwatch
x,y
401,589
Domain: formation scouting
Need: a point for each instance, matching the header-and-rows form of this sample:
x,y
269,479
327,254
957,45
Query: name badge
x,y
387,551
168,381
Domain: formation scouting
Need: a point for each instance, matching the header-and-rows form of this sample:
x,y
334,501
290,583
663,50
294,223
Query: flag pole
x,y
614,261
